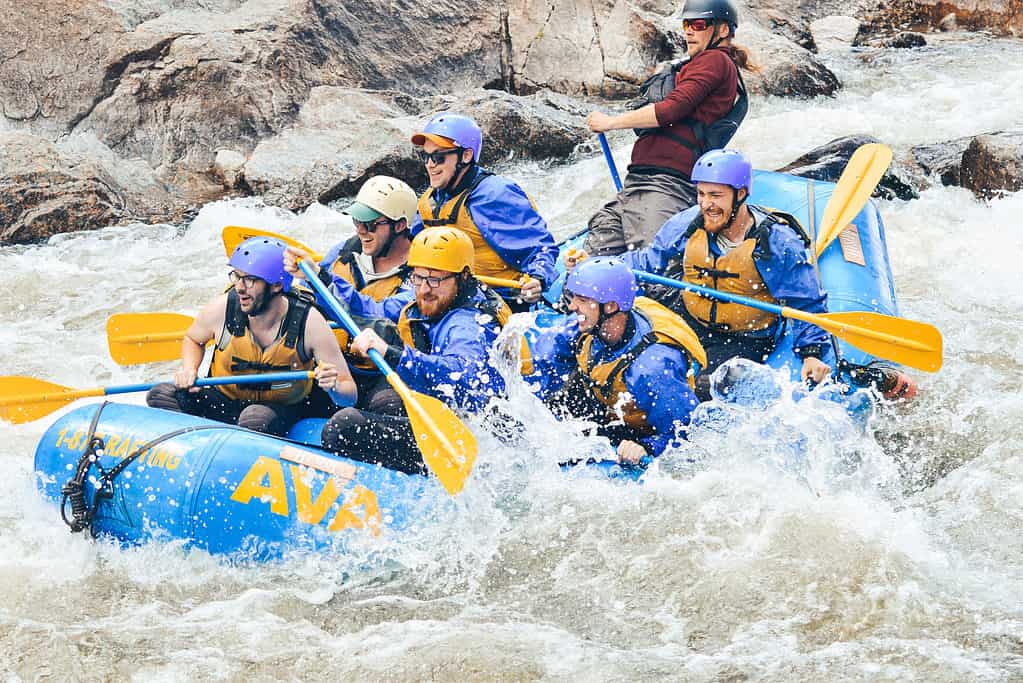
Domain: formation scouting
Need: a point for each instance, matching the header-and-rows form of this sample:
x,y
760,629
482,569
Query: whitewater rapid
x,y
909,569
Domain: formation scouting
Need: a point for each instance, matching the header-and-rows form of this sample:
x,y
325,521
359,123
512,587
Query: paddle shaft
x,y
45,397
907,348
341,314
610,161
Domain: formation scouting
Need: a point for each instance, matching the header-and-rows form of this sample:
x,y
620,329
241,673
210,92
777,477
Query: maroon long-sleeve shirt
x,y
705,90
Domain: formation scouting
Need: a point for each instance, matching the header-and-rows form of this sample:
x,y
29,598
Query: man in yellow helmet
x,y
446,335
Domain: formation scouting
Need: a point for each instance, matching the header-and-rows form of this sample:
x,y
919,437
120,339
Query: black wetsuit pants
x,y
374,438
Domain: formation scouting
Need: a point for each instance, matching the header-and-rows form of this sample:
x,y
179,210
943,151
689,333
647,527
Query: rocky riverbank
x,y
113,114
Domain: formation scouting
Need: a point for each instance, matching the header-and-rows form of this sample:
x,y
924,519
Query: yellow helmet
x,y
447,249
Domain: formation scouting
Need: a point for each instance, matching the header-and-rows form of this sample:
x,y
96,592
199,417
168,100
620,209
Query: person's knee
x,y
259,418
343,427
164,396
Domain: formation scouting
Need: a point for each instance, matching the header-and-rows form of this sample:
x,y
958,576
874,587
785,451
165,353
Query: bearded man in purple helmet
x,y
725,243
624,361
259,326
510,238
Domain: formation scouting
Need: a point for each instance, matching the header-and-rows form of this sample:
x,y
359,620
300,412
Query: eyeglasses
x,y
431,282
697,24
248,280
438,157
374,226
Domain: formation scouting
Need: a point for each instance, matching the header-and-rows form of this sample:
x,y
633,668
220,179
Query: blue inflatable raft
x,y
228,490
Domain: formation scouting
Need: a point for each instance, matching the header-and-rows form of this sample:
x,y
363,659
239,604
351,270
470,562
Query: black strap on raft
x,y
82,515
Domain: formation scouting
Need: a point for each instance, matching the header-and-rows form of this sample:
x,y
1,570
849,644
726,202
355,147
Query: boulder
x,y
53,61
343,136
997,16
587,48
828,161
905,39
993,164
784,68
44,191
943,159
834,32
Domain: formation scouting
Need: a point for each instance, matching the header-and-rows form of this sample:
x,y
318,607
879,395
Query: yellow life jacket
x,y
455,212
608,379
345,267
735,273
238,353
415,335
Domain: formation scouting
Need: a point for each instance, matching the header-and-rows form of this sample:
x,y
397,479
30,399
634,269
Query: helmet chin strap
x,y
603,317
736,205
386,249
456,178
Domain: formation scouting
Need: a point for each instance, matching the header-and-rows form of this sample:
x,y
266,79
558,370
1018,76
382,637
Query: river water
x,y
908,568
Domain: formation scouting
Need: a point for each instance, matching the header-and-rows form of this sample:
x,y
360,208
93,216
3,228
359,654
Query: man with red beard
x,y
446,329
259,326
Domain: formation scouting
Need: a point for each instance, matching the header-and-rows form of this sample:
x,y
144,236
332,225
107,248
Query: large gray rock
x,y
343,136
602,48
993,164
53,61
44,191
784,68
609,49
834,32
829,160
1001,17
943,159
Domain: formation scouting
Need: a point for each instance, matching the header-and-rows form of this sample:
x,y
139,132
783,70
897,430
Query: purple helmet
x,y
452,128
725,167
264,258
604,279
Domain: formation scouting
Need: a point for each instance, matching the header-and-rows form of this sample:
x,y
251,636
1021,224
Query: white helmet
x,y
383,195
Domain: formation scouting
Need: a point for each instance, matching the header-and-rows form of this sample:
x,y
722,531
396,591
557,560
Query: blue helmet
x,y
448,129
264,258
725,167
604,279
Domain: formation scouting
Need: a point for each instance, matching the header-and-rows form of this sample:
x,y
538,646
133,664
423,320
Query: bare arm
x,y
332,373
644,117
205,327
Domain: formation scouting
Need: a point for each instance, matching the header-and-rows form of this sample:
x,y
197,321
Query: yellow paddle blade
x,y
24,399
135,338
233,235
499,282
448,447
908,342
858,180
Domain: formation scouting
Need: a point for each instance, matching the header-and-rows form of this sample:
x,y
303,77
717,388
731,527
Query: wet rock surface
x,y
828,161
154,108
993,164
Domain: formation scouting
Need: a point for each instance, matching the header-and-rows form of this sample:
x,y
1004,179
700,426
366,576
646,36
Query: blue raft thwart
x,y
229,490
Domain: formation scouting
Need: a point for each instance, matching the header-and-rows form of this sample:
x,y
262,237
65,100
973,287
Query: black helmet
x,y
721,10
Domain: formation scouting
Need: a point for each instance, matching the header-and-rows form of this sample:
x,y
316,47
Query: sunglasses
x,y
438,157
372,227
429,281
697,24
248,280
